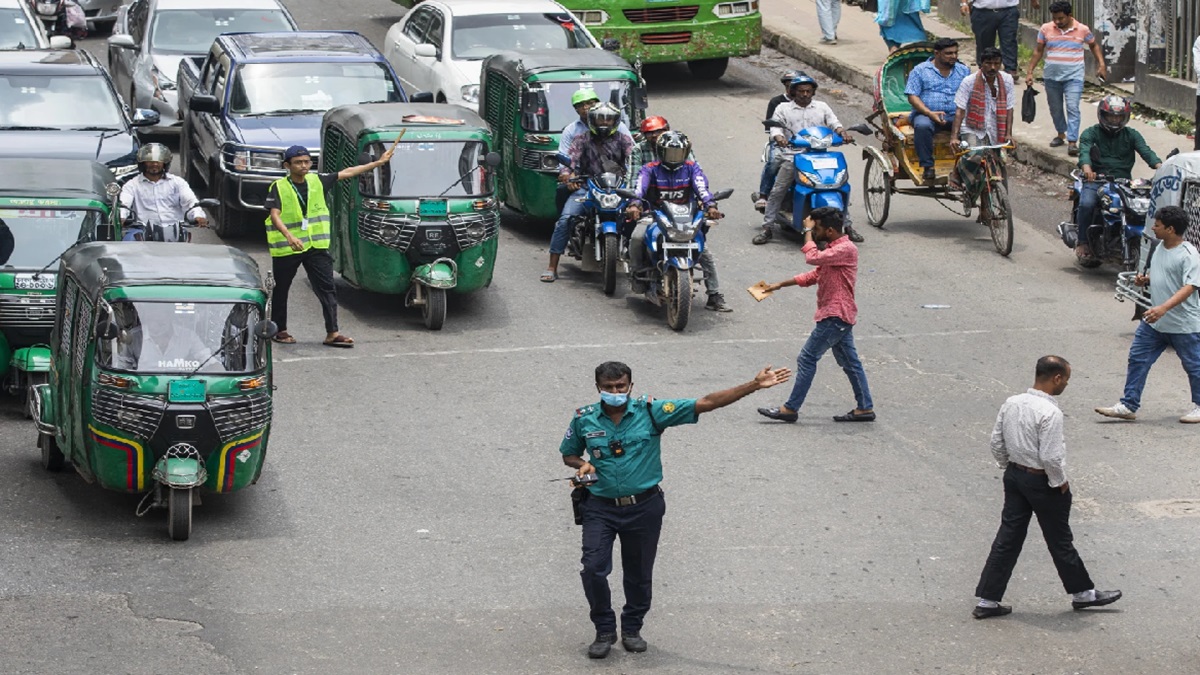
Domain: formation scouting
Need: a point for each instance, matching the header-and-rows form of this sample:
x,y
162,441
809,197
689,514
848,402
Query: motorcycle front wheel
x,y
610,254
678,287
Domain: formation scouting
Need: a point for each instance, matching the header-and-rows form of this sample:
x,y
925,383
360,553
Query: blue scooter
x,y
822,176
602,242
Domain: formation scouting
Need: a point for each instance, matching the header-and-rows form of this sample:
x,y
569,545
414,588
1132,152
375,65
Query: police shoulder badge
x,y
668,407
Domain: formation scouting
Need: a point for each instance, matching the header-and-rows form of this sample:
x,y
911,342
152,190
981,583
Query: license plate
x,y
42,282
186,391
824,163
432,208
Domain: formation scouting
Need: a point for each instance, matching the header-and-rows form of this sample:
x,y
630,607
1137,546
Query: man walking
x,y
829,13
1028,442
1061,41
1174,318
622,439
992,18
837,269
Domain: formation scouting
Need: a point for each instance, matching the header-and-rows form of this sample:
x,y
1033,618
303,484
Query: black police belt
x,y
631,499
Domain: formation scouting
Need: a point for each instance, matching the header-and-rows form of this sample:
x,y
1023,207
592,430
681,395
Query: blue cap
x,y
294,151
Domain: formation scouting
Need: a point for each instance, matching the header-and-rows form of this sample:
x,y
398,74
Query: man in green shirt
x,y
1108,149
622,440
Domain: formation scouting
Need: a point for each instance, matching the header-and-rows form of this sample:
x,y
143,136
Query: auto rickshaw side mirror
x,y
492,159
110,330
421,97
365,157
265,329
640,100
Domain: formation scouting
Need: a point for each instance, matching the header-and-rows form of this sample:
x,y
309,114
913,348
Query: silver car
x,y
101,14
151,37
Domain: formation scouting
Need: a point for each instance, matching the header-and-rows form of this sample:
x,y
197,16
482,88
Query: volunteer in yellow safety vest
x,y
298,234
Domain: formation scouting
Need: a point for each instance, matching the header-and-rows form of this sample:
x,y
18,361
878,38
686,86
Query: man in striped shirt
x,y
1063,42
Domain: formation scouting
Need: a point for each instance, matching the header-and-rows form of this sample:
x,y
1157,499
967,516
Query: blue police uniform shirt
x,y
639,466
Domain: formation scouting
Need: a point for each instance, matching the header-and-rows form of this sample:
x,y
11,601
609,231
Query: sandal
x,y
284,338
339,341
549,277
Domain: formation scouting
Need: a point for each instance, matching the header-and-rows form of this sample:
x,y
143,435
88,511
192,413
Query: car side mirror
x,y
61,42
421,97
425,50
205,103
209,203
492,159
144,117
265,329
110,330
121,41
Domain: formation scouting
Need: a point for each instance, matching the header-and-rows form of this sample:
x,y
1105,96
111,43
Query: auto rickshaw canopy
x,y
56,179
100,265
517,65
355,119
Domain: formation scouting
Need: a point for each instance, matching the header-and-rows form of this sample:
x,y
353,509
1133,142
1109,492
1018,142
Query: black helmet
x,y
800,79
789,75
1114,113
154,152
673,149
603,120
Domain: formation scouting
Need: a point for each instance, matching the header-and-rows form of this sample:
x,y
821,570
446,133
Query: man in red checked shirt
x,y
837,268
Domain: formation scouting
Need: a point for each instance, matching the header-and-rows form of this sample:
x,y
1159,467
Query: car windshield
x,y
306,87
59,102
33,238
192,31
428,169
478,37
15,31
177,337
554,103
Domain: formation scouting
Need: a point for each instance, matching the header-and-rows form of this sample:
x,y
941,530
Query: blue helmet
x,y
800,79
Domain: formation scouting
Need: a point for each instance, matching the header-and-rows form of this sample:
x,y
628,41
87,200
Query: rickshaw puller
x,y
985,102
297,204
931,89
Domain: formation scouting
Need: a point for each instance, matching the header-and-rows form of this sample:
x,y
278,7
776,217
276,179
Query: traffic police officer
x,y
622,441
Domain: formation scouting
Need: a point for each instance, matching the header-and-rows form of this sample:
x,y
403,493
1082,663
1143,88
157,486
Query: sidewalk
x,y
790,26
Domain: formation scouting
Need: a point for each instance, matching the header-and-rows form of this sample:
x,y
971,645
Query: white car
x,y
20,29
440,45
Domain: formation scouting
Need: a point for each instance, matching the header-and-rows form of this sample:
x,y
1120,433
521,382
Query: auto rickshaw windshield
x,y
427,169
557,112
31,238
177,337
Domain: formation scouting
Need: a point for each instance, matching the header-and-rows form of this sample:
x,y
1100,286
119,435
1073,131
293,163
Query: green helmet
x,y
584,95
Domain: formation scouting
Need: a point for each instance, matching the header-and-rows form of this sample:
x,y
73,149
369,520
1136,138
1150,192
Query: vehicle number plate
x,y
824,163
186,391
432,208
43,282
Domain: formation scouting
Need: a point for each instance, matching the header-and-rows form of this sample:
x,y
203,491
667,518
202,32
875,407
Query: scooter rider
x,y
158,196
676,178
588,153
770,166
1115,145
799,113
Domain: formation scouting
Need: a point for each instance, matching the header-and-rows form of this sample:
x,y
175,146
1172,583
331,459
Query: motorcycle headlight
x,y
810,178
470,93
819,143
1139,205
680,232
608,201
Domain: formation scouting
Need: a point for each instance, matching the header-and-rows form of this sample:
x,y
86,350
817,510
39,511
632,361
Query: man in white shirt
x,y
156,196
985,102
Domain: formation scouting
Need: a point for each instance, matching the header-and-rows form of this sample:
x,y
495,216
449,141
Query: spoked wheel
x,y
434,309
179,513
32,380
679,297
611,252
1000,220
877,192
52,457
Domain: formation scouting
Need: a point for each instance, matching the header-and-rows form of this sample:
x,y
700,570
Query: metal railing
x,y
1084,11
1181,35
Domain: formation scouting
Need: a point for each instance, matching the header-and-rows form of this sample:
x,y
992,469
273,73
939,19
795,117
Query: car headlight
x,y
729,10
608,201
470,93
593,17
256,160
549,162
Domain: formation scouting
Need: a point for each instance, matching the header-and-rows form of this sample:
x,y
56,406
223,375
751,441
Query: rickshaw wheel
x,y
612,251
52,457
1000,220
877,192
179,513
679,298
434,309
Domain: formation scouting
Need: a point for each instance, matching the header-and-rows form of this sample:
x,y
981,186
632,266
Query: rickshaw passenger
x,y
588,154
931,89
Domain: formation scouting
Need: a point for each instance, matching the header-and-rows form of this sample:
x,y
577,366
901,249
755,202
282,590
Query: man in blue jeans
x,y
931,88
835,275
1173,274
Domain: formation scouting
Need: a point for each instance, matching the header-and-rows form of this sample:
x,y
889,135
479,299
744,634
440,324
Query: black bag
x,y
1029,105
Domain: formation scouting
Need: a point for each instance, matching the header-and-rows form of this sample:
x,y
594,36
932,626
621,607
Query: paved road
x,y
404,523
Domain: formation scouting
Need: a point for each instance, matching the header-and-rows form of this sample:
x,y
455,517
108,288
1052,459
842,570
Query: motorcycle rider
x,y
1106,148
676,178
157,196
770,167
799,113
583,100
589,153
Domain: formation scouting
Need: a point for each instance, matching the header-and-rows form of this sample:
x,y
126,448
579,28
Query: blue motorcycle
x,y
1115,233
598,237
822,178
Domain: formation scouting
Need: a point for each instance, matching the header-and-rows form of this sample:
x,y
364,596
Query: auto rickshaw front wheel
x,y
179,513
32,380
434,309
52,457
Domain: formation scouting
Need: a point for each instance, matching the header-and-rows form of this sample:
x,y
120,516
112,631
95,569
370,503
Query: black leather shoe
x,y
604,642
929,174
1102,598
632,642
853,235
777,414
989,612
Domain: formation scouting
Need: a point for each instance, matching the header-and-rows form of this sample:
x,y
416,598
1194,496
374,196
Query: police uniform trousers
x,y
1026,494
638,527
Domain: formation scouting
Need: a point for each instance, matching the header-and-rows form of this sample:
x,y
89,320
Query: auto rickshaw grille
x,y
138,415
394,230
461,221
535,160
235,417
27,311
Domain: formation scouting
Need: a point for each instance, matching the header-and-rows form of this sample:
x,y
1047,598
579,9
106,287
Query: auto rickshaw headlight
x,y
476,231
470,93
389,233
550,162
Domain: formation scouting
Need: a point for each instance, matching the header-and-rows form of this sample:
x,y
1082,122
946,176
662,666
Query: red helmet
x,y
655,123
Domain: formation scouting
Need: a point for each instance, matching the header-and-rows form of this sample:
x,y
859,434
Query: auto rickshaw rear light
x,y
483,204
377,204
252,383
114,381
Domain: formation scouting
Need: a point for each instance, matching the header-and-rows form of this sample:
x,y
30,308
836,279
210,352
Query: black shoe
x,y
776,414
632,642
929,174
1102,598
716,302
762,237
854,235
604,642
989,612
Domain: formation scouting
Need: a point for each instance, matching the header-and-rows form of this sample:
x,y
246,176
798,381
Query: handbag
x,y
1029,105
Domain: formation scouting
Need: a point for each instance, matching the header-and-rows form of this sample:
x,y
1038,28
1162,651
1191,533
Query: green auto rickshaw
x,y
526,98
427,223
46,207
161,377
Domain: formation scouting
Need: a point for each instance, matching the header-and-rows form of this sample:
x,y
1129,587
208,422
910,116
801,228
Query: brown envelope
x,y
760,291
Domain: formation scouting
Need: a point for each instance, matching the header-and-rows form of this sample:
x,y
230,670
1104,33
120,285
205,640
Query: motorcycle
x,y
61,17
138,230
1115,233
601,236
674,241
822,178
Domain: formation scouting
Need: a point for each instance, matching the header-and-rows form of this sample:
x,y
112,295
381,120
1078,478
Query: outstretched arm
x,y
765,378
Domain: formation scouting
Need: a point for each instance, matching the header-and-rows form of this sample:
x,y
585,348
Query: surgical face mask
x,y
613,399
